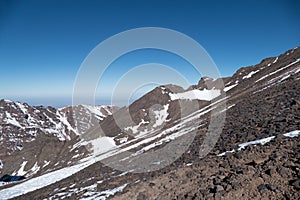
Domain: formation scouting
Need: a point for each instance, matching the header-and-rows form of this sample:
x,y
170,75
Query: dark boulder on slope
x,y
9,178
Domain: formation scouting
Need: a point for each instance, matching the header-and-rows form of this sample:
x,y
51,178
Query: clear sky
x,y
43,43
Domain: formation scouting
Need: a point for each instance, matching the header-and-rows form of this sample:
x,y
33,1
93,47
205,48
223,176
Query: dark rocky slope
x,y
262,101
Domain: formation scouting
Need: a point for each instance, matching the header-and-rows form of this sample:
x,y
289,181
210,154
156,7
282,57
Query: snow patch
x,y
167,139
65,121
272,73
12,120
46,163
292,134
223,154
163,90
95,110
123,140
161,116
21,171
229,87
134,129
22,107
42,181
205,94
19,147
250,74
112,192
261,141
101,145
34,169
285,75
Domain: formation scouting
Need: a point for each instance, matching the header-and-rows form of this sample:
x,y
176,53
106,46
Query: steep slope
x,y
155,111
35,139
258,148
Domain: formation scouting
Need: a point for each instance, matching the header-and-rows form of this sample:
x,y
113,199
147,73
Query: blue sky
x,y
43,43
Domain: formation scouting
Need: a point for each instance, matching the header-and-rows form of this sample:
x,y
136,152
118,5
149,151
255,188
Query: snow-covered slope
x,y
33,138
22,123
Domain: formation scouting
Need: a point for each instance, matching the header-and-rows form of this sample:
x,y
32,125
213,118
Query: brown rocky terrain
x,y
251,159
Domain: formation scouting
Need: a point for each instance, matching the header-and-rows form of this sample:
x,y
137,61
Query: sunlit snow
x,y
250,74
292,134
229,87
161,116
205,94
261,142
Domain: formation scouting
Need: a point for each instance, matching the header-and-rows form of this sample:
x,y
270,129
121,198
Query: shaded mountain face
x,y
35,139
258,147
157,110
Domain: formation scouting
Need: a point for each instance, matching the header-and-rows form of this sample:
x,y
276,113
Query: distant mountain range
x,y
36,138
99,152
